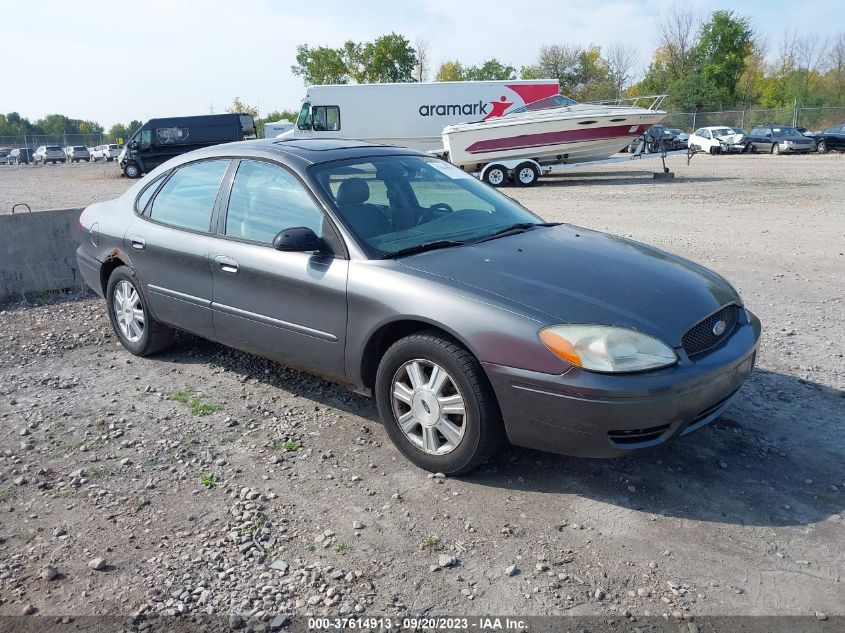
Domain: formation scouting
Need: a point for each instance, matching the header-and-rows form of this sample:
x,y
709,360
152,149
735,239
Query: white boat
x,y
550,131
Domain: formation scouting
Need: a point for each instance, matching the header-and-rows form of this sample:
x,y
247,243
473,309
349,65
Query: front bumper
x,y
587,414
797,149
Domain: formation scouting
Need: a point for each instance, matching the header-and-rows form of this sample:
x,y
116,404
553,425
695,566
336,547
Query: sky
x,y
117,61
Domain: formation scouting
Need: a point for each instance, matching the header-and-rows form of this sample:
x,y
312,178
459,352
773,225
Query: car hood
x,y
565,274
730,138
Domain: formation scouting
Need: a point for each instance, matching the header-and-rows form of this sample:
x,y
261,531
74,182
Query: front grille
x,y
700,337
637,436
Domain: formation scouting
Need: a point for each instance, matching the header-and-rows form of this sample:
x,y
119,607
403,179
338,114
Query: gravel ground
x,y
59,186
205,480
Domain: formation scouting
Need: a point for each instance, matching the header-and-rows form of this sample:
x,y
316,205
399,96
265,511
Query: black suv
x,y
20,156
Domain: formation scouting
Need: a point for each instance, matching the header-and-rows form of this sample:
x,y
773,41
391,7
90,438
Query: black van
x,y
159,140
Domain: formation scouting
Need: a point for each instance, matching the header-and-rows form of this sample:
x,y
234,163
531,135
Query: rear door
x,y
287,306
169,244
837,138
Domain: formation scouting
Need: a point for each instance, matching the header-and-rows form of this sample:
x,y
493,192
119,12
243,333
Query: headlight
x,y
606,349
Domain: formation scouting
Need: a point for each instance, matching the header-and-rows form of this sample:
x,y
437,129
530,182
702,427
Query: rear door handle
x,y
137,242
226,264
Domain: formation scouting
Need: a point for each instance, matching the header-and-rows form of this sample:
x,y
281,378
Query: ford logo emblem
x,y
719,327
428,408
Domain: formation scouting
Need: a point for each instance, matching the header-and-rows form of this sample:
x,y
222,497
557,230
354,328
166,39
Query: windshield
x,y
723,131
393,203
786,131
557,101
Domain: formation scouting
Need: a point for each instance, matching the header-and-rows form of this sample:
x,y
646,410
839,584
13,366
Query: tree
x,y
724,44
388,59
621,61
835,75
450,70
321,65
422,68
281,115
490,70
561,62
678,36
243,108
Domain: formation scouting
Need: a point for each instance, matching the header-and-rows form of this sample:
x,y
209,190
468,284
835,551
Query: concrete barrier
x,y
38,252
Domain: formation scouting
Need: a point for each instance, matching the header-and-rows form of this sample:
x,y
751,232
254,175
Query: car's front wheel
x,y
136,329
437,405
775,149
821,147
131,170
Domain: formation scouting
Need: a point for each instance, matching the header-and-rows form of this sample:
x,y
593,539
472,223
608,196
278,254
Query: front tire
x,y
135,327
776,149
131,170
821,147
496,175
437,405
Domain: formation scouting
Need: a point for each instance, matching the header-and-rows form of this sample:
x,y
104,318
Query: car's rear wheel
x,y
136,329
131,170
526,174
495,175
437,405
821,147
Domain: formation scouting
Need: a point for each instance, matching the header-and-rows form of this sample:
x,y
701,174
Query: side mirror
x,y
133,144
299,239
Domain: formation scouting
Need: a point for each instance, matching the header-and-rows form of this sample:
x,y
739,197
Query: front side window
x,y
303,122
146,139
325,118
186,200
391,203
266,200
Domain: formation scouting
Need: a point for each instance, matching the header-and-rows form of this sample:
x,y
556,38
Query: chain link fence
x,y
62,140
811,118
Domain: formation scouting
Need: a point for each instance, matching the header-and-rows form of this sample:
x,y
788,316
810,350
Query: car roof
x,y
301,152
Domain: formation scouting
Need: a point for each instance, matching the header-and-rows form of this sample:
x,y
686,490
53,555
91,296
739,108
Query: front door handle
x,y
137,242
226,264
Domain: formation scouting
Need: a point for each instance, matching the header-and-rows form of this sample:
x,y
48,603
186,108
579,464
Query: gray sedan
x,y
470,320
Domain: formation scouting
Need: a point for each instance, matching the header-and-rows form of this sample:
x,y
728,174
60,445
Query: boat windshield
x,y
557,101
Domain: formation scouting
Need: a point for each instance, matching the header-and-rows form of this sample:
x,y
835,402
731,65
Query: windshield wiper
x,y
422,248
514,229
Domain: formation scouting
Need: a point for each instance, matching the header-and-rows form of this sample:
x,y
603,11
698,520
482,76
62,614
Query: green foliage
x,y
431,543
450,70
209,481
291,446
197,406
724,44
240,107
387,59
490,70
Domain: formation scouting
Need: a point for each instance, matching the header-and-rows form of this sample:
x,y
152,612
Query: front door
x,y
288,306
169,246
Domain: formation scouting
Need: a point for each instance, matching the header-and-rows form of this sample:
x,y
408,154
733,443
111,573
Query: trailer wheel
x,y
495,175
526,174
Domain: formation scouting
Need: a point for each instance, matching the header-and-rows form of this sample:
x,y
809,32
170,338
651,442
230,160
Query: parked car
x,y
780,139
4,155
49,154
654,139
833,138
469,318
20,156
76,153
717,140
107,152
681,138
159,140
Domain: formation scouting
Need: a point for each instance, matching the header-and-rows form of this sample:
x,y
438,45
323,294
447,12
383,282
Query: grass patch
x,y
198,407
209,481
28,536
5,495
431,543
150,463
291,446
311,547
95,473
342,548
255,526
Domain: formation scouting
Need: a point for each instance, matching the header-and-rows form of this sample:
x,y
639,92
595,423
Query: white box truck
x,y
409,114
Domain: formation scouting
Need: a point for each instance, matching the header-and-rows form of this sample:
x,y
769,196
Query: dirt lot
x,y
211,481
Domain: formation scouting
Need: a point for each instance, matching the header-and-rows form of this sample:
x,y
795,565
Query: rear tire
x,y
472,436
496,175
821,147
526,175
141,335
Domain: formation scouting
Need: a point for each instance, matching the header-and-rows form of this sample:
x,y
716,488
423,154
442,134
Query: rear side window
x,y
267,199
186,200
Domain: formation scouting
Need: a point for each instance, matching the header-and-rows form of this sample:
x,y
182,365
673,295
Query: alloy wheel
x,y
428,406
128,311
